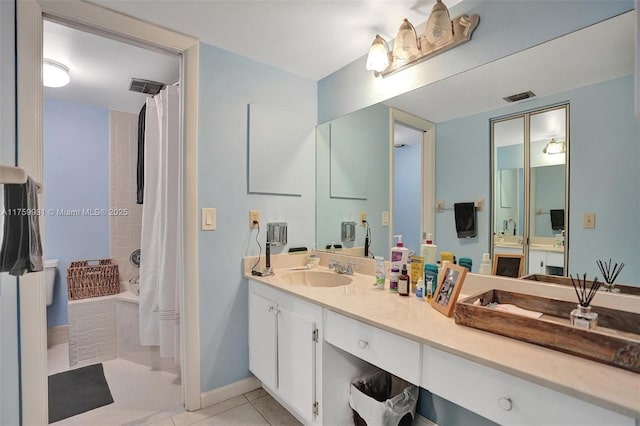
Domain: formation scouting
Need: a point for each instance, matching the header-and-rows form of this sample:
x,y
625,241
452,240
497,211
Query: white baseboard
x,y
229,391
423,421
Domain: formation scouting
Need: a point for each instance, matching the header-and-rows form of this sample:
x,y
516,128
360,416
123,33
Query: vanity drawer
x,y
393,353
506,399
555,259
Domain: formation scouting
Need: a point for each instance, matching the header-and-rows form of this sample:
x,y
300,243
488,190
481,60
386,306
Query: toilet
x,y
50,266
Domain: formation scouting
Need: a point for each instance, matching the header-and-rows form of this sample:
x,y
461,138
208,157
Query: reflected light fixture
x,y
441,34
555,147
54,74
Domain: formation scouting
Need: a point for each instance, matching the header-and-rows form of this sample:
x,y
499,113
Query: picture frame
x,y
449,286
508,264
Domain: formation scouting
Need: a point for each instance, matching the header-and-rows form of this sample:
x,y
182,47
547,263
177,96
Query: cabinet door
x,y
296,362
537,262
263,340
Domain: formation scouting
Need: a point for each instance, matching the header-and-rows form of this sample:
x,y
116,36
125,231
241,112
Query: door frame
x,y
428,168
79,14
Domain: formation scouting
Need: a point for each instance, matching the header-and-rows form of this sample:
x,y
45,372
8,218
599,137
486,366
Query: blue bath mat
x,y
77,391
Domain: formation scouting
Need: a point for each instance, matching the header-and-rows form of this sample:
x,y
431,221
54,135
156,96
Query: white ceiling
x,y
310,38
101,69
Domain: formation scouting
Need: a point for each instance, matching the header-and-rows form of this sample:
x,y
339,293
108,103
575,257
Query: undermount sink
x,y
311,278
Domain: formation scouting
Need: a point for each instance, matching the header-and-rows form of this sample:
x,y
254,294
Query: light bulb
x,y
378,58
439,30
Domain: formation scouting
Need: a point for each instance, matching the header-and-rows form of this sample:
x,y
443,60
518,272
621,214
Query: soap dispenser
x,y
399,253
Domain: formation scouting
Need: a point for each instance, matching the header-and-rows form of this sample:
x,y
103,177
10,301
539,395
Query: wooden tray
x,y
616,341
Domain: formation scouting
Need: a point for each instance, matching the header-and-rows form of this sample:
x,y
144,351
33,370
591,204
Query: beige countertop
x,y
609,387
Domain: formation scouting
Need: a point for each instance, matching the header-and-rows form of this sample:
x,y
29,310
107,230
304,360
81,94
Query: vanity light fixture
x,y
555,147
441,34
54,74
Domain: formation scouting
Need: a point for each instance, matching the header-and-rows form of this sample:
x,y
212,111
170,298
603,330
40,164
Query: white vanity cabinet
x,y
506,399
283,348
540,260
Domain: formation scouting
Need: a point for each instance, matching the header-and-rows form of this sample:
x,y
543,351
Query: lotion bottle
x,y
428,250
399,253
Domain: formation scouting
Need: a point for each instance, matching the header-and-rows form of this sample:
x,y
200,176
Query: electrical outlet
x,y
589,221
254,216
363,217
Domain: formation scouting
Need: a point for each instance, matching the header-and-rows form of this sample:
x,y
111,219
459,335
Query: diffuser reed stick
x,y
582,317
585,295
609,274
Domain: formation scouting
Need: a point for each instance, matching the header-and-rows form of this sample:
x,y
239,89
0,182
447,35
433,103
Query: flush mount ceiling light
x,y
441,34
54,74
555,147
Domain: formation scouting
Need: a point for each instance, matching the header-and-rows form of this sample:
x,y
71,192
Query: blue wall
x,y
352,87
76,176
604,175
228,82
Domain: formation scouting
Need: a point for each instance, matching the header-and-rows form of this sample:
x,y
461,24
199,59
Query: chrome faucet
x,y
340,268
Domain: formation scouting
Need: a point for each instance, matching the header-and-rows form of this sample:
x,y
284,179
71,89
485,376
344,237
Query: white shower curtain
x,y
161,251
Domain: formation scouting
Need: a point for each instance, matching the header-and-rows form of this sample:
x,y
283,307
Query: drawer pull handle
x,y
363,344
505,403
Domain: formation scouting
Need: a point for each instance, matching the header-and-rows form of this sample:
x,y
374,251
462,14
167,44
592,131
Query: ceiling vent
x,y
145,86
519,96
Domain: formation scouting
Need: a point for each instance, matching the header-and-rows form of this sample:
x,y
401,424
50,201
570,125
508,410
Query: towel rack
x,y
440,206
17,175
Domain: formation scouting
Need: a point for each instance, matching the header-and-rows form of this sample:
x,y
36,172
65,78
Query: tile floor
x,y
145,397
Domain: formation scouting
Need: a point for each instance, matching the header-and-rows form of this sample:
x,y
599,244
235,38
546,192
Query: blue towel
x,y
21,246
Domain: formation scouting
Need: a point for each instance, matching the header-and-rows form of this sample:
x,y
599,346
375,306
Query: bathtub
x,y
129,347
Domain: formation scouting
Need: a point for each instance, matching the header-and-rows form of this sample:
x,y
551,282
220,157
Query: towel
x,y
21,246
465,219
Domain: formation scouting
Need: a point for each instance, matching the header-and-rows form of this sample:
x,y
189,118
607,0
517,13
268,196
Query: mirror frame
x,y
526,226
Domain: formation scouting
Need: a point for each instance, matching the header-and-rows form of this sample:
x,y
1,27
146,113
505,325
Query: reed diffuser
x,y
610,274
582,317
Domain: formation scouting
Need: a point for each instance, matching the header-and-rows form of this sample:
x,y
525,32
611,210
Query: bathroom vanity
x,y
308,342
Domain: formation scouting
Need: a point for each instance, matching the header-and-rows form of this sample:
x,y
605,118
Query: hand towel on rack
x,y
21,249
465,219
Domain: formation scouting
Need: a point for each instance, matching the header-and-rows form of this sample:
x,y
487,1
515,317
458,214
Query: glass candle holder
x,y
582,317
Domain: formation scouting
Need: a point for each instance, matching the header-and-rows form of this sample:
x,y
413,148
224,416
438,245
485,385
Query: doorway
x,y
30,150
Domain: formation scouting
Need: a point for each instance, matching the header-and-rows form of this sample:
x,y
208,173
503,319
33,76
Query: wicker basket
x,y
92,278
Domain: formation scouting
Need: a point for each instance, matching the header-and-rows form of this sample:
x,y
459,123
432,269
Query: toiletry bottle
x,y
404,283
420,289
416,271
394,276
380,276
431,276
485,266
428,250
399,253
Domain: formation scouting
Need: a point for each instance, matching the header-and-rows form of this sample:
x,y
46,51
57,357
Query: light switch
x,y
589,221
208,219
385,218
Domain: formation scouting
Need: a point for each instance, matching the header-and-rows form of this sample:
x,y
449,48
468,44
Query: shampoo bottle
x,y
399,253
428,250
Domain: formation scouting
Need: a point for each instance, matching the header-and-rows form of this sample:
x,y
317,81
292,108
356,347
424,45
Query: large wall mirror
x,y
529,174
590,72
376,164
